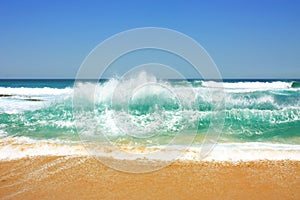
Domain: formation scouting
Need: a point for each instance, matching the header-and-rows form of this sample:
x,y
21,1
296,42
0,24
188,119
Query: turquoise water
x,y
255,111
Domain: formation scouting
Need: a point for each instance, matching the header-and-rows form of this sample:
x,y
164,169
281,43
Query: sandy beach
x,y
86,178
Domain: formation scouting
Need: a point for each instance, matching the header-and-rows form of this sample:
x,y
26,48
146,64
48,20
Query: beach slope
x,y
86,178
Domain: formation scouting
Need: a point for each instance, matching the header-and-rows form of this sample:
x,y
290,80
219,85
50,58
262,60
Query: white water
x,y
17,103
22,147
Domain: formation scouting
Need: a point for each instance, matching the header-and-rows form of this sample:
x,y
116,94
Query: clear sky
x,y
246,39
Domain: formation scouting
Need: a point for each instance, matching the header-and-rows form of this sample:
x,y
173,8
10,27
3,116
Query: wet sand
x,y
86,178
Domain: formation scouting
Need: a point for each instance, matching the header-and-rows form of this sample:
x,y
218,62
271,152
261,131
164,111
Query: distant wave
x,y
295,84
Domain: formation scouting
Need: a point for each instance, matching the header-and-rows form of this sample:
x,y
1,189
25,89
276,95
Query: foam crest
x,y
249,86
46,91
18,100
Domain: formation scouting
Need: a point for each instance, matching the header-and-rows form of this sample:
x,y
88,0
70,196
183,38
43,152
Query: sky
x,y
246,39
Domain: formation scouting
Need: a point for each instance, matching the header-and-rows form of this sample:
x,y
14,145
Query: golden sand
x,y
86,178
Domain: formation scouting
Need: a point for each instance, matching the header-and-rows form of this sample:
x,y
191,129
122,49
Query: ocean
x,y
261,119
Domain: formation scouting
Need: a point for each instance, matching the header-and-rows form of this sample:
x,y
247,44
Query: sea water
x,y
261,118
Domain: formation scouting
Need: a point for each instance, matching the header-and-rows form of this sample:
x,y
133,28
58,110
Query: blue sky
x,y
246,39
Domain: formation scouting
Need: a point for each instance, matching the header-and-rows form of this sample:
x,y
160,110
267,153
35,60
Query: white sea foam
x,y
19,101
21,147
12,148
14,106
237,87
46,91
233,152
249,85
249,151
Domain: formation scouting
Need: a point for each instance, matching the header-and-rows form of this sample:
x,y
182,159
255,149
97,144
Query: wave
x,y
295,84
253,110
249,85
19,100
46,91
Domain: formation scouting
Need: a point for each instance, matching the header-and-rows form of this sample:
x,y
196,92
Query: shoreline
x,y
84,177
14,148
